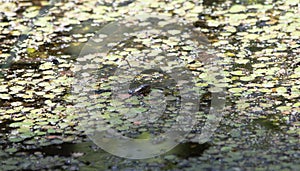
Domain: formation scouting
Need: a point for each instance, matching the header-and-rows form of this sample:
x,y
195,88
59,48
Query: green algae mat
x,y
150,85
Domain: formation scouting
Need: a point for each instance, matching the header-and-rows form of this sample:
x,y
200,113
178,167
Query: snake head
x,y
143,89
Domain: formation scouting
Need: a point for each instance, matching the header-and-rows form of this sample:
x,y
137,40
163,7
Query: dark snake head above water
x,y
143,89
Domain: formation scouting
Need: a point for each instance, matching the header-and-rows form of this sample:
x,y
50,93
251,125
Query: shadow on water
x,y
116,3
4,126
189,149
265,123
64,149
4,130
210,3
90,152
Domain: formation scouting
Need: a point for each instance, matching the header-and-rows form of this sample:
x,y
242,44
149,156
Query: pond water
x,y
248,49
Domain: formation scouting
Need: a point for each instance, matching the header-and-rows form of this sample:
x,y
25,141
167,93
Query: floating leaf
x,y
237,73
236,90
237,8
16,88
242,61
284,108
5,96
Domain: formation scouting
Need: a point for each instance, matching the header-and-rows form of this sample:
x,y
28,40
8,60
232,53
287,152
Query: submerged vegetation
x,y
255,42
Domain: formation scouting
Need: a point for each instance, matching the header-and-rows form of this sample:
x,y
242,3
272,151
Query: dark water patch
x,y
266,123
106,71
257,46
3,18
180,155
4,126
243,27
100,91
64,149
212,2
25,65
4,130
188,149
57,48
115,3
261,24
